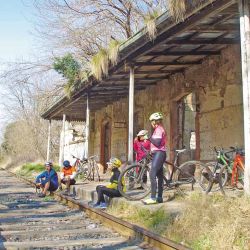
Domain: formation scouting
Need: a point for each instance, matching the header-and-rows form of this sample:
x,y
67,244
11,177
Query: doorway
x,y
105,142
185,126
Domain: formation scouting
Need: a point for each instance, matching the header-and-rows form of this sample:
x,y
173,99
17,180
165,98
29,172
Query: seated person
x,y
111,190
67,176
47,180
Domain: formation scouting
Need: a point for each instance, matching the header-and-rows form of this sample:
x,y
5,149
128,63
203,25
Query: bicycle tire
x,y
207,181
189,173
136,189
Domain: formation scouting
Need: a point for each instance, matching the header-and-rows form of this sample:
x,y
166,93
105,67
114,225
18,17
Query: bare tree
x,y
82,27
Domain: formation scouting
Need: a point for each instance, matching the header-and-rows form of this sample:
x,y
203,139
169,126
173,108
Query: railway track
x,y
29,222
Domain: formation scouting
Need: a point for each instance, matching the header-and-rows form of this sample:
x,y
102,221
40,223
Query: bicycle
x,y
217,173
210,180
237,168
87,168
136,176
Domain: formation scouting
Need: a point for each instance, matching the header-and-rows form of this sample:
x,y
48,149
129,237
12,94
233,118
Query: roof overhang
x,y
205,32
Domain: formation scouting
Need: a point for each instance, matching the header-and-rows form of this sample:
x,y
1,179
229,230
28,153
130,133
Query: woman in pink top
x,y
158,150
141,145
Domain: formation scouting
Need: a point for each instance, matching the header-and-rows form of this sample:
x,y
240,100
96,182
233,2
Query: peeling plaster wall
x,y
218,84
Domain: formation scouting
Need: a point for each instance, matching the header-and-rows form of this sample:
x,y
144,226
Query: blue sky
x,y
15,38
15,28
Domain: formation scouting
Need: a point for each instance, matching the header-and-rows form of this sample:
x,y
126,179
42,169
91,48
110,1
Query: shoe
x,y
96,205
65,193
42,195
103,205
149,201
159,200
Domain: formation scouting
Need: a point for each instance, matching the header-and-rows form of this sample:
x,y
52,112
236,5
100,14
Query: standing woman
x,y
158,150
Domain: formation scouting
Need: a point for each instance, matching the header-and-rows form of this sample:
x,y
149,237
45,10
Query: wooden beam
x,y
216,28
225,41
166,64
184,53
140,78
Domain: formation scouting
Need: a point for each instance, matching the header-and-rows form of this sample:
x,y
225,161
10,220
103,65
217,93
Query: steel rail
x,y
122,227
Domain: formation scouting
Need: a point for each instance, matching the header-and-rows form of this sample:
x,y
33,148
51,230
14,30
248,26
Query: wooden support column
x,y
131,114
86,155
49,141
245,64
62,142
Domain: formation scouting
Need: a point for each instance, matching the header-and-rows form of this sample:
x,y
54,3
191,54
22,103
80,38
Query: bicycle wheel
x,y
211,175
189,173
136,180
83,171
240,173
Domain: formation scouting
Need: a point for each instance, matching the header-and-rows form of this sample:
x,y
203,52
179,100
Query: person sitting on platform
x,y
67,176
110,190
47,180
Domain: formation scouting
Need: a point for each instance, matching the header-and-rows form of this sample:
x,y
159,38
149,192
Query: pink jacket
x,y
140,147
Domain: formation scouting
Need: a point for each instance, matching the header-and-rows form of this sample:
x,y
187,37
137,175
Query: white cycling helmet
x,y
142,132
156,116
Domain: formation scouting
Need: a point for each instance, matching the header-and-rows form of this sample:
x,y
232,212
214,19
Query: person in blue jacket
x,y
47,180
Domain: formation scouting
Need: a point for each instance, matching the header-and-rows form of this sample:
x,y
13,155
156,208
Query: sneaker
x,y
41,195
96,205
149,201
159,200
103,205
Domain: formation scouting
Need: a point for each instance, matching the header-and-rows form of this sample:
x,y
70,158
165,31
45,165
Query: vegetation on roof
x,y
149,21
69,68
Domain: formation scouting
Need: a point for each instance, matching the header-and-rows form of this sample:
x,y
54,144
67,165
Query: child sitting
x,y
111,190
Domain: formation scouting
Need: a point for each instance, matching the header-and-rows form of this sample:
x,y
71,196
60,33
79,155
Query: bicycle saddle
x,y
180,150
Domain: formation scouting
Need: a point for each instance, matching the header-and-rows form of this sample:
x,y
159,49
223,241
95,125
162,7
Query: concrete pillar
x,y
49,141
245,64
62,142
87,129
131,114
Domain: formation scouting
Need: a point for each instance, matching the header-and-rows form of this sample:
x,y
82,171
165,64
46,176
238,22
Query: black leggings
x,y
101,190
157,171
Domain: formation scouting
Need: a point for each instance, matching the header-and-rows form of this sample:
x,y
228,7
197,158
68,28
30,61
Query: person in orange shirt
x,y
67,176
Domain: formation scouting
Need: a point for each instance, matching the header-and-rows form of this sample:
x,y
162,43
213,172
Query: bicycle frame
x,y
237,163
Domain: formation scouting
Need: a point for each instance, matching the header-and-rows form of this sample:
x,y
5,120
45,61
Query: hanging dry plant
x,y
149,21
99,64
177,9
113,51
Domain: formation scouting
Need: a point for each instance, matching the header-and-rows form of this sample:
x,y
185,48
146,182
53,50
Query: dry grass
x,y
213,223
99,64
155,220
149,21
113,51
178,8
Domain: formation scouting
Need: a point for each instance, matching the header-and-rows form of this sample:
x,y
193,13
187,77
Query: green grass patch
x,y
155,220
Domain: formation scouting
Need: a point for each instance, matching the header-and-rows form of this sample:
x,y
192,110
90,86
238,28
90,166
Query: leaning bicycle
x,y
87,168
137,181
217,173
